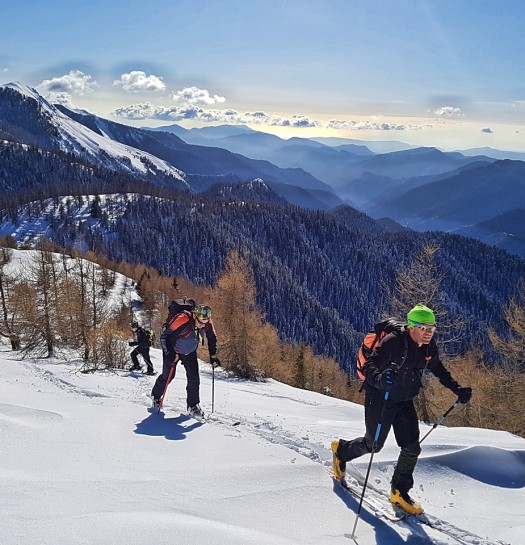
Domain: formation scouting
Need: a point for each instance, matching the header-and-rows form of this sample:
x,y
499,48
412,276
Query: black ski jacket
x,y
141,339
389,353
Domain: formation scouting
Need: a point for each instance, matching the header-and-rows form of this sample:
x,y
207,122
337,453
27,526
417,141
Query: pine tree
x,y
299,371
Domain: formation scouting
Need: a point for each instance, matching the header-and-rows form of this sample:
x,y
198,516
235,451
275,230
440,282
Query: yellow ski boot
x,y
402,501
339,466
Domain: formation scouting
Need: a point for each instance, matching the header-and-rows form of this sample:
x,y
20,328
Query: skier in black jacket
x,y
383,371
141,343
179,342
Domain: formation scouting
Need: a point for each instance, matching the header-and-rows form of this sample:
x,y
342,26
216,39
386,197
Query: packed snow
x,y
85,460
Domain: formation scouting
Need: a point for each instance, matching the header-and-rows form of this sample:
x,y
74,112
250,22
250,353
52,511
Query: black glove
x,y
133,344
464,394
215,361
385,379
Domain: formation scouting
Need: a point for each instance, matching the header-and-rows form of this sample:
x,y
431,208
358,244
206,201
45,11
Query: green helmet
x,y
202,312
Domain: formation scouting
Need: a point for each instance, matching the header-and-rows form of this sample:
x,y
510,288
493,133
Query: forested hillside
x,y
319,279
322,277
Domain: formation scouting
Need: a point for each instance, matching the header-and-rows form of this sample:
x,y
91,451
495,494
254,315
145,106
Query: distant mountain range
x,y
421,188
160,157
474,192
179,201
494,153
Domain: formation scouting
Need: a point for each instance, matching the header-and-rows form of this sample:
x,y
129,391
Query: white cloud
x,y
369,125
74,82
61,98
196,96
147,110
449,111
487,130
137,82
4,70
261,118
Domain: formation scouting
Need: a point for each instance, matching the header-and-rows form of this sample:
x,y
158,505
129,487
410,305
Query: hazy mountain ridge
x,y
209,160
384,180
466,198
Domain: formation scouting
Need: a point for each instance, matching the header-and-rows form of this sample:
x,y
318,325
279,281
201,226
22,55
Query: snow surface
x,y
30,230
83,460
76,138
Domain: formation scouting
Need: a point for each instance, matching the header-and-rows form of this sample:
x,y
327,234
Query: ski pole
x,y
170,375
212,387
456,403
374,446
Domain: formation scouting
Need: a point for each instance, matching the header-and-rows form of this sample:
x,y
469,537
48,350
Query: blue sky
x,y
447,73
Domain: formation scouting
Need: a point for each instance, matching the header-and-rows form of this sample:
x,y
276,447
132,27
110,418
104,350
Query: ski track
x,y
273,433
316,452
62,384
379,500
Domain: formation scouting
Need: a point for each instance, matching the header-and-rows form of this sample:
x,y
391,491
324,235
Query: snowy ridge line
x,y
377,500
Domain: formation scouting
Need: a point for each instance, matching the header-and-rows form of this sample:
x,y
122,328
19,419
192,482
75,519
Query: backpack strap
x,y
405,349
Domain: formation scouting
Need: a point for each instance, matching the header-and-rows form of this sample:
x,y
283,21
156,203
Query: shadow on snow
x,y
157,425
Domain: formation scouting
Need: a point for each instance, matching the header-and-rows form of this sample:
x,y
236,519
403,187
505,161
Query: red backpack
x,y
373,338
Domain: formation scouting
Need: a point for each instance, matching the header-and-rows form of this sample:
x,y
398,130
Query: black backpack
x,y
372,338
177,306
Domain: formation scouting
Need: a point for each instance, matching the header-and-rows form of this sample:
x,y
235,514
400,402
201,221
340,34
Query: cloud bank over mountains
x,y
193,103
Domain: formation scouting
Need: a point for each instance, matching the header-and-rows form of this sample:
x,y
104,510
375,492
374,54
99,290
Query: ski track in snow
x,y
318,453
63,384
271,431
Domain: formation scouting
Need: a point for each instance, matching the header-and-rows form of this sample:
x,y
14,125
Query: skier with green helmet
x,y
396,366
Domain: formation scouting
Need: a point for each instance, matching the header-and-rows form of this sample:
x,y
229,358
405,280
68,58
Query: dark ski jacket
x,y
389,353
182,336
141,339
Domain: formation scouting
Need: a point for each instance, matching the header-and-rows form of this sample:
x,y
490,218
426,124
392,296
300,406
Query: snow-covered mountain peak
x,y
66,134
25,90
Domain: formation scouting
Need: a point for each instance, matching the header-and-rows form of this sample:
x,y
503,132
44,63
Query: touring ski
x,y
378,502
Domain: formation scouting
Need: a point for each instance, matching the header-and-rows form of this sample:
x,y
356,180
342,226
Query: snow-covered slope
x,y
30,229
84,461
72,137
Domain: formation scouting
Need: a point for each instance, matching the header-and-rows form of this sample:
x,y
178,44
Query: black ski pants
x,y
402,417
144,352
191,366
